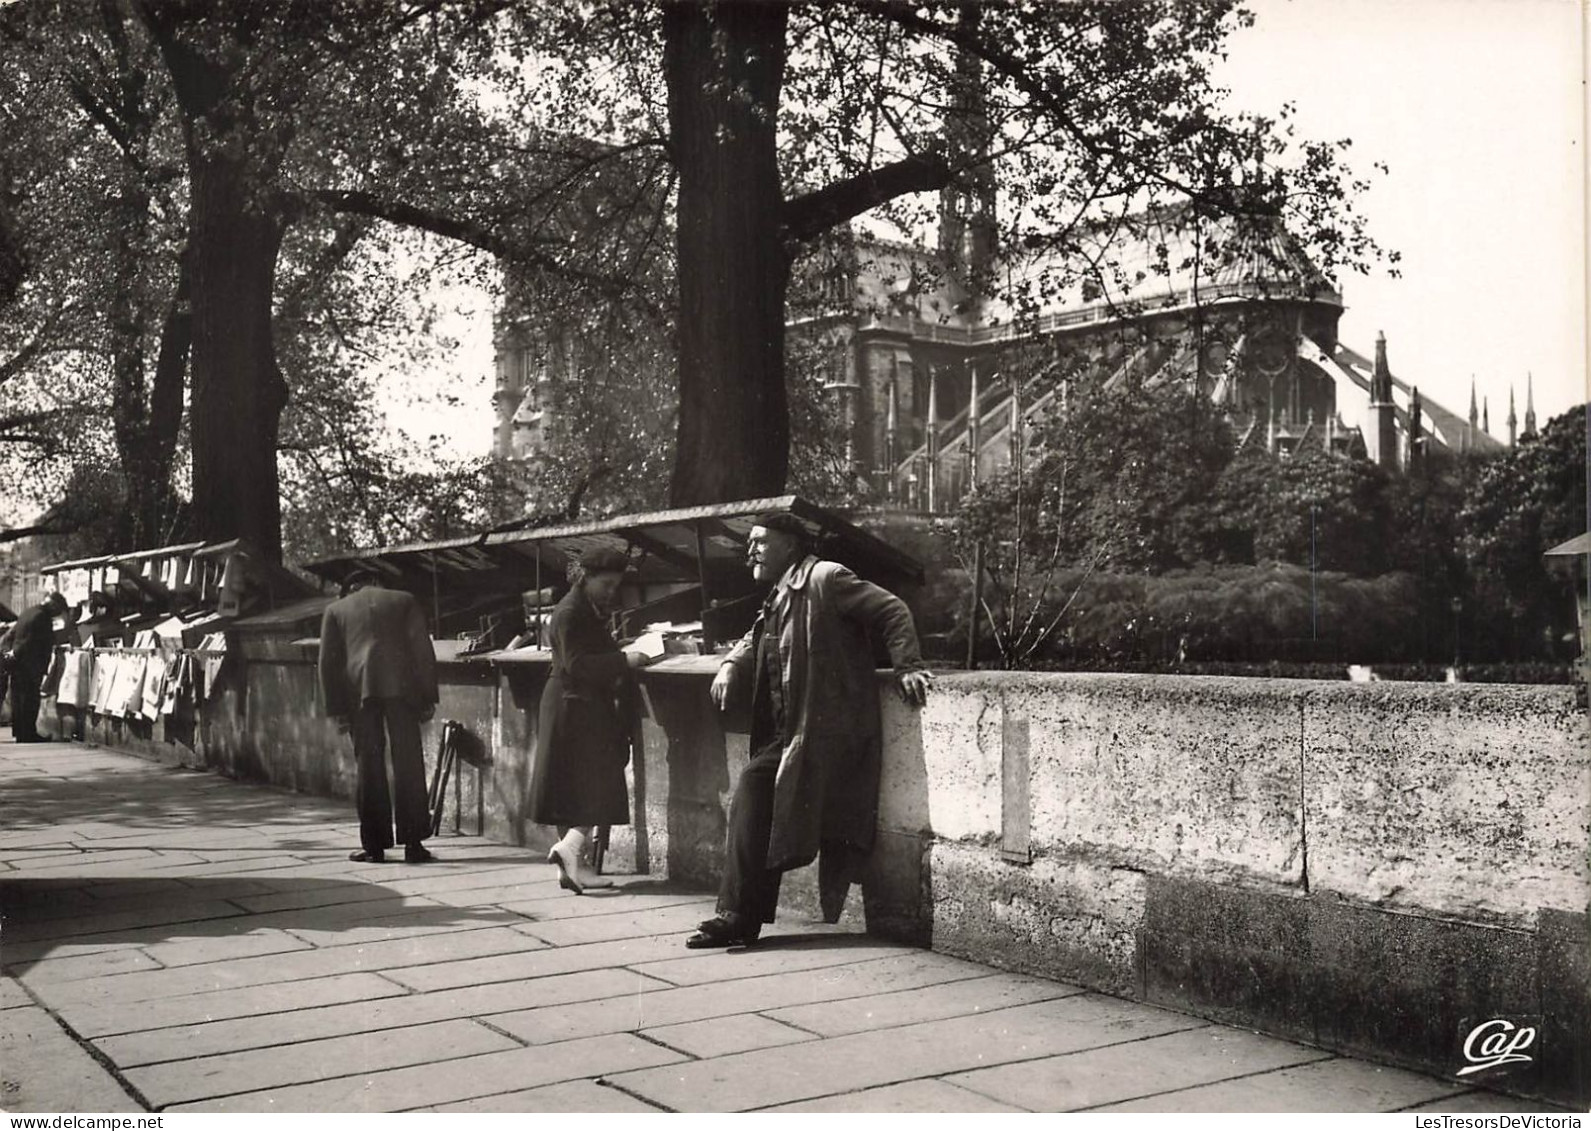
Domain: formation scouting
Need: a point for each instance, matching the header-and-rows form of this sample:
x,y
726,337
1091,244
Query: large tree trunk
x,y
724,63
234,232
238,391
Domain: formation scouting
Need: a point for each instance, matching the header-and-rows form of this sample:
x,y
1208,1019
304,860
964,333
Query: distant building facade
x,y
907,343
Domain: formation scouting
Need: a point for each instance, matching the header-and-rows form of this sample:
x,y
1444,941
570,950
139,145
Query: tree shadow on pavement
x,y
100,913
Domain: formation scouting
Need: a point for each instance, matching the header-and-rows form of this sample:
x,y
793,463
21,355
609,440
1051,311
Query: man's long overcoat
x,y
827,784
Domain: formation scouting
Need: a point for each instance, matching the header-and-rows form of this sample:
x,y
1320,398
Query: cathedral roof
x,y
1139,263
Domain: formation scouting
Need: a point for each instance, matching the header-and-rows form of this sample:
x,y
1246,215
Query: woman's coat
x,y
583,741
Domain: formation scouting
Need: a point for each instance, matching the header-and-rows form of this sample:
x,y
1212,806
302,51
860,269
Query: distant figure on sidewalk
x,y
816,733
27,646
583,739
378,677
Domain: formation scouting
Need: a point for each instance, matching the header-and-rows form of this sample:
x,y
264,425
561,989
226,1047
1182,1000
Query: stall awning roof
x,y
1580,544
666,546
80,563
159,552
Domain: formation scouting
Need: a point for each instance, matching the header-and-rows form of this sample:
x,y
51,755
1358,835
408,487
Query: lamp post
x,y
1457,606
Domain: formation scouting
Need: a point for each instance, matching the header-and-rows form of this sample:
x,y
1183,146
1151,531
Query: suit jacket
x,y
32,639
826,789
374,644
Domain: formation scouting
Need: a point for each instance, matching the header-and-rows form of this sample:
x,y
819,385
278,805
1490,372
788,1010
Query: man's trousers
x,y
749,887
372,727
25,683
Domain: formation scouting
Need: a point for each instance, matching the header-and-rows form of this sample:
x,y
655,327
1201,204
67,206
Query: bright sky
x,y
1478,107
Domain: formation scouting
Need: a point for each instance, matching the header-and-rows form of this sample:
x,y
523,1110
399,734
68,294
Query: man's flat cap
x,y
786,523
604,559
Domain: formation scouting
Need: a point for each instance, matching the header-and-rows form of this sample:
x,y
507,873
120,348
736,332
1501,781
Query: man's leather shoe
x,y
368,856
726,929
417,854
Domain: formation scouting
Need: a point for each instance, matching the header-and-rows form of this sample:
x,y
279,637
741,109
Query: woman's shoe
x,y
588,877
566,879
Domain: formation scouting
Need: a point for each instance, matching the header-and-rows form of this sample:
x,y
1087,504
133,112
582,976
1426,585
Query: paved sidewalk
x,y
177,941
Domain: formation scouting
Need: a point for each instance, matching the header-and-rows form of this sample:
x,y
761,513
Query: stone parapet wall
x,y
1465,800
1374,868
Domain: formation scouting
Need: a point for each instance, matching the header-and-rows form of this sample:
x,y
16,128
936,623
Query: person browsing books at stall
x,y
583,741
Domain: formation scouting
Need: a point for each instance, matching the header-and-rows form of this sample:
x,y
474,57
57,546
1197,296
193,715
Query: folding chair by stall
x,y
447,757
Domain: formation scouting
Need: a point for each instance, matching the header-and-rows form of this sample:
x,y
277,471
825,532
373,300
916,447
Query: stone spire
x,y
1530,407
1474,416
1382,439
1486,415
967,218
1416,427
1513,420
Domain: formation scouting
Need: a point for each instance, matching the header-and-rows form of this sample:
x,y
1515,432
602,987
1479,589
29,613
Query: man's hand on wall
x,y
721,683
914,687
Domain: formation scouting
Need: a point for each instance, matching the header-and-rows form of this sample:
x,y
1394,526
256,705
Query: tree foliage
x,y
1521,504
1124,534
663,162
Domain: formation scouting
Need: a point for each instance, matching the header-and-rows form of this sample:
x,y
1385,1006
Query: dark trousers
x,y
25,681
372,727
749,887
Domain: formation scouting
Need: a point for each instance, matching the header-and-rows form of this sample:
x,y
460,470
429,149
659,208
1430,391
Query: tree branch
x,y
806,217
480,236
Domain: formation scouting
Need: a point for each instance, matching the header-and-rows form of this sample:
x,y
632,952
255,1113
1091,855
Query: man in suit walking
x,y
378,678
28,646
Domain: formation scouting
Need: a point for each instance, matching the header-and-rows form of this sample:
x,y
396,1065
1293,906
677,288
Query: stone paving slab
x,y
56,971
12,995
365,1016
608,902
207,1077
19,955
538,963
1486,1103
95,1019
424,1086
43,1069
69,896
912,1096
1117,1073
680,919
84,926
113,862
1333,1085
412,922
812,951
885,1011
174,886
574,1095
241,941
14,841
722,1035
914,970
314,963
769,1077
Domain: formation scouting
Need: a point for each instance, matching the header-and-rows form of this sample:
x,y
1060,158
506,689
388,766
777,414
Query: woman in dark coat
x,y
583,742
